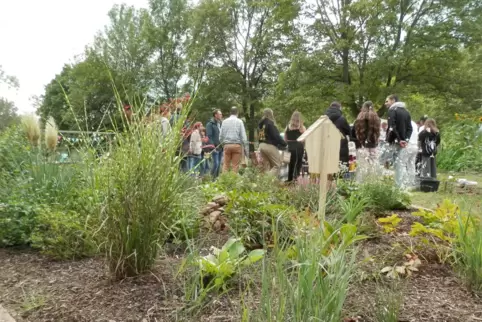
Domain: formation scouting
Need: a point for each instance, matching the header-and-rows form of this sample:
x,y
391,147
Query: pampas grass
x,y
32,128
51,133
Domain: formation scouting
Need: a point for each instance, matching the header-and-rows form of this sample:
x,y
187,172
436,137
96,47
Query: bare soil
x,y
35,288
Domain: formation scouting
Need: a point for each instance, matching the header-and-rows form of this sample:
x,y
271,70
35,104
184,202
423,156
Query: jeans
x,y
401,158
194,163
217,158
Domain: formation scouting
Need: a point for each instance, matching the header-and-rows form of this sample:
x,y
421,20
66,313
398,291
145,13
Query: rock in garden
x,y
213,217
209,208
217,226
220,200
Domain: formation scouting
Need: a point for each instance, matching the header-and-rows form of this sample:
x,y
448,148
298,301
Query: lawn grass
x,y
468,200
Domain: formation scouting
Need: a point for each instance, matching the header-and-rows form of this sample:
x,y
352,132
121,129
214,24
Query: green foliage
x,y
461,146
468,251
18,219
257,220
63,234
220,266
140,181
383,196
8,114
352,207
308,284
390,223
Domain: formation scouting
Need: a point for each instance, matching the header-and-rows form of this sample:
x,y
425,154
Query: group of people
x,y
410,147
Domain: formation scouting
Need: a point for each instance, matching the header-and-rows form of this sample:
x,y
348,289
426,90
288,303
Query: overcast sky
x,y
38,37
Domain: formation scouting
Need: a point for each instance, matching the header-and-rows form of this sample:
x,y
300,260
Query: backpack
x,y
431,145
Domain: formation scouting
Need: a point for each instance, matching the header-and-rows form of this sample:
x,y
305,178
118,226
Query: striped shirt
x,y
233,132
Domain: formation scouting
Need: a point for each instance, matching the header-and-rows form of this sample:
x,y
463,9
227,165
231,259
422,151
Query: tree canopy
x,y
287,55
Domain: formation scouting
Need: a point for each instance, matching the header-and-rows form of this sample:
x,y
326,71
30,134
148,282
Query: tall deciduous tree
x,y
8,113
238,43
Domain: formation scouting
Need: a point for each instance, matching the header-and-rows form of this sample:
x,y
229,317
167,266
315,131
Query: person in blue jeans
x,y
213,128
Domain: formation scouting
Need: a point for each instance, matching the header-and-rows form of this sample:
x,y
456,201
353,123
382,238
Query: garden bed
x,y
34,288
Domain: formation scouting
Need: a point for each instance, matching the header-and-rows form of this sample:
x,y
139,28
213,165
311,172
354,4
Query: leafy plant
x,y
64,234
406,269
390,223
384,195
220,266
256,220
440,228
352,206
309,284
468,251
18,218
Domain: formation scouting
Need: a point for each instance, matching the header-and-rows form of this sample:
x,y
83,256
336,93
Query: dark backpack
x,y
431,145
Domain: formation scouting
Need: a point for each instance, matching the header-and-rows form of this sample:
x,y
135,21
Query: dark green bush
x,y
17,221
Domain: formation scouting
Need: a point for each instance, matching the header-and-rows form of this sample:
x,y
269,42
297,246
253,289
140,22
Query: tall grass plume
x,y
31,126
51,133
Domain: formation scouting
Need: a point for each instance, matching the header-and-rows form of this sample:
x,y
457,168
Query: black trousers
x,y
296,161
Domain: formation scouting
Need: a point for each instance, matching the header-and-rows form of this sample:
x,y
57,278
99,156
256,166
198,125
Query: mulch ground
x,y
34,288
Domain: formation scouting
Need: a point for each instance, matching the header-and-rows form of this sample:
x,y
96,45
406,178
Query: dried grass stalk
x,y
32,128
51,133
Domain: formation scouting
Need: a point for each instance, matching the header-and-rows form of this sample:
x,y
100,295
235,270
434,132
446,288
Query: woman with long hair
x,y
428,140
366,130
293,131
269,142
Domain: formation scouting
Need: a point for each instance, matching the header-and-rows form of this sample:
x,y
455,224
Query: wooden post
x,y
323,179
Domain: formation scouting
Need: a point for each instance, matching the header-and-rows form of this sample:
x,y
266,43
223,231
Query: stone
x,y
221,200
217,226
4,316
209,208
213,217
221,209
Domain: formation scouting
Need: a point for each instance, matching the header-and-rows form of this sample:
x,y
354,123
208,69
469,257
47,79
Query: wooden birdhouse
x,y
322,144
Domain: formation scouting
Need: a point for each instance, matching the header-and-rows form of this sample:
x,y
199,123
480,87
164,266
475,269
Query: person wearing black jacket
x,y
270,142
213,128
398,135
335,115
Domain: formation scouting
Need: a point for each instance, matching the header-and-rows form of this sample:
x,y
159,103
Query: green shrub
x,y
461,147
383,196
255,218
17,221
63,234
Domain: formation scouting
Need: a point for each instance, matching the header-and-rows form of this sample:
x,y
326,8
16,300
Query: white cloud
x,y
38,37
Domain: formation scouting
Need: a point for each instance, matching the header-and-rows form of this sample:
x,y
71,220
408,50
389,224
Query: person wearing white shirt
x,y
412,149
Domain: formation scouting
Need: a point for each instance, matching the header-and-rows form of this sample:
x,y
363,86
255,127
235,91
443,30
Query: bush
x,y
383,196
17,221
256,219
461,147
63,234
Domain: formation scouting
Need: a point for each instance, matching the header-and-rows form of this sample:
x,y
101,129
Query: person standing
x,y
269,142
213,129
234,140
367,133
165,125
412,152
334,113
398,135
292,132
195,148
429,139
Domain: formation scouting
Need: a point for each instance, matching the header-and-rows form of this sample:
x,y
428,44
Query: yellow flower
x,y
480,119
457,117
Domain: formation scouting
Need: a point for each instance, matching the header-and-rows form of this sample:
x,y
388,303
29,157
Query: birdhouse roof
x,y
321,122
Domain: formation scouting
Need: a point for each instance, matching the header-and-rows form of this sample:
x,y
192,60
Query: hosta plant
x,y
220,266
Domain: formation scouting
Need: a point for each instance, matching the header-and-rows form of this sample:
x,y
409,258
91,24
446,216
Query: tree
x,y
10,81
237,44
166,31
8,113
